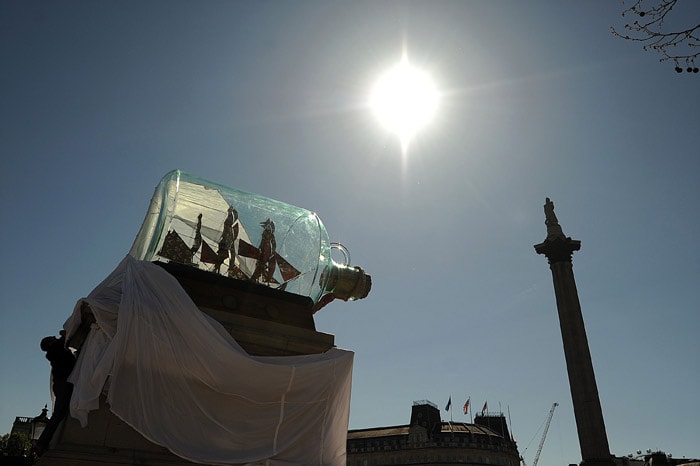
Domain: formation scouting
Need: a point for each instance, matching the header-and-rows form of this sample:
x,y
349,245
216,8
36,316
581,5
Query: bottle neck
x,y
346,282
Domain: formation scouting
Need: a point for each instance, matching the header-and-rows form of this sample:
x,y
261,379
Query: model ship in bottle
x,y
246,236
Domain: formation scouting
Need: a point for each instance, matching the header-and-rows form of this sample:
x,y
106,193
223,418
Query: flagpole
x,y
467,405
448,407
471,411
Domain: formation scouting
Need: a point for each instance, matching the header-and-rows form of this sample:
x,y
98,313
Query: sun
x,y
404,100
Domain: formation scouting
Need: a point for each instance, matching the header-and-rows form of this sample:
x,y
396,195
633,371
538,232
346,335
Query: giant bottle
x,y
245,236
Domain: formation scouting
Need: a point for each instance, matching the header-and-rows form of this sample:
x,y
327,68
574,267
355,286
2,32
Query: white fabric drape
x,y
177,377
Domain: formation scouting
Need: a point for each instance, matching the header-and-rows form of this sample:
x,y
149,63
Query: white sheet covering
x,y
178,378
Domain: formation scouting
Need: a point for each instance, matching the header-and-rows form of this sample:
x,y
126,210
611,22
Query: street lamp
x,y
38,424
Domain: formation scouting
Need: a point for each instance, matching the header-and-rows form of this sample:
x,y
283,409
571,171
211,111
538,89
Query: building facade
x,y
428,441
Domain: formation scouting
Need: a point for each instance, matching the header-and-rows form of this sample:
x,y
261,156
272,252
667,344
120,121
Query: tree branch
x,y
680,46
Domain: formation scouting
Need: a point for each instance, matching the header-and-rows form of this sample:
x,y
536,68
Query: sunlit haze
x,y
499,104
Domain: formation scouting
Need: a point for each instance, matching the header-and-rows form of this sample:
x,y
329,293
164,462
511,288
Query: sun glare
x,y
405,100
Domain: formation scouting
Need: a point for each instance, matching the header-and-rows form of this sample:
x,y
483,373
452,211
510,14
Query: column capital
x,y
557,246
558,249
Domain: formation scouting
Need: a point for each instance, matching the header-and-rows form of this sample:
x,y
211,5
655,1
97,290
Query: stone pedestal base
x,y
107,440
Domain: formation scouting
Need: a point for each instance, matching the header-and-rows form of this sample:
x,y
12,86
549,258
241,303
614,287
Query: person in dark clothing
x,y
62,361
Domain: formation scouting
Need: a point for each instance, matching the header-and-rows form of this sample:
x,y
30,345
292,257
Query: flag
x,y
485,408
466,406
449,404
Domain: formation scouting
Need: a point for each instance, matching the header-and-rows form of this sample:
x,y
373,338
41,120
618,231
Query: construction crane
x,y
544,436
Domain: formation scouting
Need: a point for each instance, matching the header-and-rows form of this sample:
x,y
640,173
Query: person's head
x,y
46,343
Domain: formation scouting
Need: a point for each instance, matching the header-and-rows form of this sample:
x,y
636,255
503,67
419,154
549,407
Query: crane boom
x,y
544,434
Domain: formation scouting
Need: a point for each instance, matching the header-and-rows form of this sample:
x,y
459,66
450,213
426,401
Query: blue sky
x,y
98,100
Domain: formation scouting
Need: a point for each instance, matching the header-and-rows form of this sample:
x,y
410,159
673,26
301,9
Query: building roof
x,y
403,430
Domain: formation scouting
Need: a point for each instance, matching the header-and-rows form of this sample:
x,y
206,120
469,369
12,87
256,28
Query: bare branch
x,y
648,27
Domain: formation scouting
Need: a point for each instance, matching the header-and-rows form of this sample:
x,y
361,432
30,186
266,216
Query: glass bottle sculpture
x,y
245,236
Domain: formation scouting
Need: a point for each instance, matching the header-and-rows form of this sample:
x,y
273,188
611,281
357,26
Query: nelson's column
x,y
592,437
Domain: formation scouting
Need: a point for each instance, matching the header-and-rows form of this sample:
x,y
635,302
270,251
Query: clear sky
x,y
98,100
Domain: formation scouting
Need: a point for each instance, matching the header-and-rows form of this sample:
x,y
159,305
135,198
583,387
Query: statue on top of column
x,y
553,227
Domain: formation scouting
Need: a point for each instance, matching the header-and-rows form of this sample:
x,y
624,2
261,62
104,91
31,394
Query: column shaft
x,y
592,435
